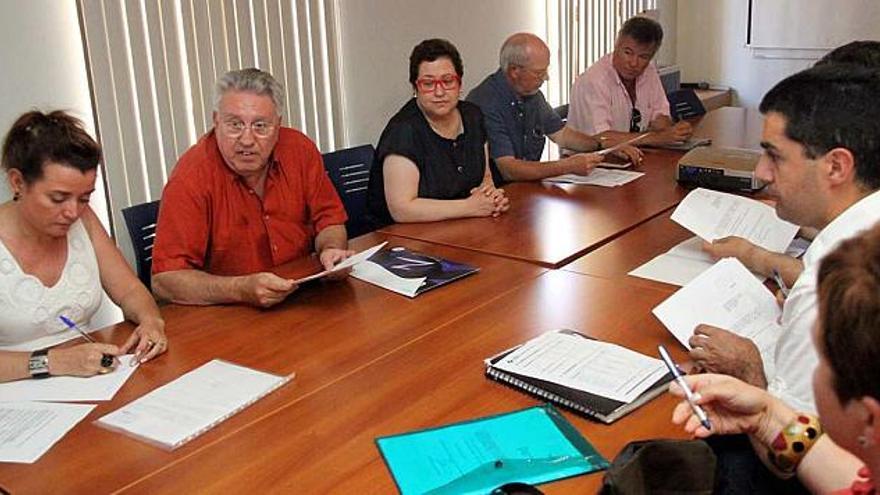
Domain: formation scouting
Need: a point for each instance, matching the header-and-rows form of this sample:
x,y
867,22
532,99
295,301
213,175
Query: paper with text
x,y
713,215
598,177
599,368
179,411
346,263
29,429
70,388
727,296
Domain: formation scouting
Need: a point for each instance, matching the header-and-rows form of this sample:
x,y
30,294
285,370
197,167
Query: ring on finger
x,y
104,371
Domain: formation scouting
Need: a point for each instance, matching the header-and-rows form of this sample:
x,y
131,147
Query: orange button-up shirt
x,y
211,220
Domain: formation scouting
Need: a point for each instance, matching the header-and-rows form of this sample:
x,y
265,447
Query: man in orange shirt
x,y
249,196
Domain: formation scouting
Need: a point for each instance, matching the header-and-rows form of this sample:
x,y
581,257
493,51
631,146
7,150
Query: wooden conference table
x,y
369,362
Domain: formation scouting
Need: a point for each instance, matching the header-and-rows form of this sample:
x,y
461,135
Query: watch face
x,y
38,364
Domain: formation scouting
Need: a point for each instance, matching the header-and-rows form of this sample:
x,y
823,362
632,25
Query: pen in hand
x,y
688,393
780,283
106,359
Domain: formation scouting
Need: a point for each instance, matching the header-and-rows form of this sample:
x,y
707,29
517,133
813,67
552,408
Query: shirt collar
x,y
859,216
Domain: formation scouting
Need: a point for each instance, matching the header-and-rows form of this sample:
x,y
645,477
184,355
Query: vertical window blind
x,y
153,64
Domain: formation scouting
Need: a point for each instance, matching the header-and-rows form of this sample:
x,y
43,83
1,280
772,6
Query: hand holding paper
x,y
344,264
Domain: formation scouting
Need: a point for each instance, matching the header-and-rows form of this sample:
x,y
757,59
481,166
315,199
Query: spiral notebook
x,y
596,379
183,409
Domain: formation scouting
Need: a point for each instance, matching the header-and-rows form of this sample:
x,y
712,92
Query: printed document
x,y
727,296
598,177
346,263
70,388
599,368
181,410
29,429
714,215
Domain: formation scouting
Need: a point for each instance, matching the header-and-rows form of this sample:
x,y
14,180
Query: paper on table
x,y
714,215
183,409
598,177
533,445
70,388
346,263
727,296
679,265
29,429
375,273
600,368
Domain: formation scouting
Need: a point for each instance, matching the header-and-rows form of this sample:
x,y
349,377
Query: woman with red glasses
x,y
432,162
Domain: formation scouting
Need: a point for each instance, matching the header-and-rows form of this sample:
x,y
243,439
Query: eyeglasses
x,y
236,128
540,74
635,121
446,81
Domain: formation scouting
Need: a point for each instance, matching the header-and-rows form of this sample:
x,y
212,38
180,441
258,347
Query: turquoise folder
x,y
533,445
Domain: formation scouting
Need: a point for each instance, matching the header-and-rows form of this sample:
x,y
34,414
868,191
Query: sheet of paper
x,y
678,266
600,368
346,263
598,177
713,215
179,411
477,456
728,296
70,388
376,274
29,429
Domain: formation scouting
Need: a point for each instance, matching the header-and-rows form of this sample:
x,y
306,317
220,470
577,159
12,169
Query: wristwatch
x,y
38,364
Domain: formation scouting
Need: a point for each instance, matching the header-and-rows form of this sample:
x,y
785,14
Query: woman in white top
x,y
55,257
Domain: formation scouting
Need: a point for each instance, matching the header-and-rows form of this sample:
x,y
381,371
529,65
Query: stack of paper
x,y
727,296
30,420
598,177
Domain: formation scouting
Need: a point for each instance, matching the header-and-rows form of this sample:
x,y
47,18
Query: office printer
x,y
730,169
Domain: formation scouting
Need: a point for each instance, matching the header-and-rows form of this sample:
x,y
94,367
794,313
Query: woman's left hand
x,y
148,341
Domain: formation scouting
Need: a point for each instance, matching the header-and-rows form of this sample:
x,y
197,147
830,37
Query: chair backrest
x,y
141,223
349,169
562,111
685,104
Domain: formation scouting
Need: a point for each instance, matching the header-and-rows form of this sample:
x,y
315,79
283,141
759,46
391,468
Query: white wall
x,y
711,46
44,68
378,36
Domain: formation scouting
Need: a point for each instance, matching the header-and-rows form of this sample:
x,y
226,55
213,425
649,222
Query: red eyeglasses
x,y
446,81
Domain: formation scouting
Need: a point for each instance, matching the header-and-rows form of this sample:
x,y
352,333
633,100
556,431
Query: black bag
x,y
661,467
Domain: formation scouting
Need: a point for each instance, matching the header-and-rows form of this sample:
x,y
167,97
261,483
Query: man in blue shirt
x,y
518,118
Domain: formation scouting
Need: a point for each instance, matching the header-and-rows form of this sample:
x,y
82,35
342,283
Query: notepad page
x,y
600,368
175,413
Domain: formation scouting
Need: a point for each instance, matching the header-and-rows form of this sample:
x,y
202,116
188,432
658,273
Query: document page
x,y
714,215
679,265
727,296
599,368
346,263
29,429
598,177
70,388
179,411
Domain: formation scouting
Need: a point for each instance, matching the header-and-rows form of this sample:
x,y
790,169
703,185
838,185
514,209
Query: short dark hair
x,y
431,50
37,137
849,314
833,106
642,29
861,53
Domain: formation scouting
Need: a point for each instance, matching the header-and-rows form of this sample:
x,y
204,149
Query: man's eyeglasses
x,y
260,128
635,121
540,74
447,82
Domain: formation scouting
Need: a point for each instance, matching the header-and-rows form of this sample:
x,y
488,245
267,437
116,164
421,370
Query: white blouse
x,y
29,310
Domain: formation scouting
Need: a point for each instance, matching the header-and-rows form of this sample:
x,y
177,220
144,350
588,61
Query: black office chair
x,y
562,111
685,104
349,169
141,223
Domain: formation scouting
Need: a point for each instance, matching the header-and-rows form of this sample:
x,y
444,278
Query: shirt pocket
x,y
534,143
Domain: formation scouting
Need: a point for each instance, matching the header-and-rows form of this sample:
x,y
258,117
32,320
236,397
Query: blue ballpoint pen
x,y
688,393
106,359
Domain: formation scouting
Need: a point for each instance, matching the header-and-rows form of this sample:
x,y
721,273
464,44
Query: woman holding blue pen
x,y
837,451
56,259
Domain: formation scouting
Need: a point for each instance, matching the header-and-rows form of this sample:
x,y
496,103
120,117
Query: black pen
x,y
106,359
688,393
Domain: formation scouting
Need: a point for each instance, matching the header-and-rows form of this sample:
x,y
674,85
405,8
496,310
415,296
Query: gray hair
x,y
514,51
252,81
